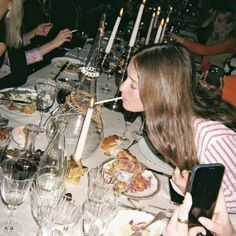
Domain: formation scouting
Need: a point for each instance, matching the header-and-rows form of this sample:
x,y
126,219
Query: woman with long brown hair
x,y
186,124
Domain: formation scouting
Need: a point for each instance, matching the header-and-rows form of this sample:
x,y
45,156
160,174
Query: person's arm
x,y
37,54
226,46
40,30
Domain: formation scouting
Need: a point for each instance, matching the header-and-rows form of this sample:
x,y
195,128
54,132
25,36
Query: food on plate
x,y
109,144
128,166
21,100
71,67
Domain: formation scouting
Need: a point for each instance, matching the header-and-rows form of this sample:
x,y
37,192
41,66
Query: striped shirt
x,y
217,144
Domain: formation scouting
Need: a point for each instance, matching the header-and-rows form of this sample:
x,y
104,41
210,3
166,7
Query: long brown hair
x,y
168,95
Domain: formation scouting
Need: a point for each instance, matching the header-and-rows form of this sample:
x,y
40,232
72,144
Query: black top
x,y
18,63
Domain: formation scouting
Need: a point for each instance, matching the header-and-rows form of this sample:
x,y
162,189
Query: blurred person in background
x,y
14,57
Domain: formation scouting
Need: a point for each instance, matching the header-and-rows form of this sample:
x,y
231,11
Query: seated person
x,y
221,44
13,71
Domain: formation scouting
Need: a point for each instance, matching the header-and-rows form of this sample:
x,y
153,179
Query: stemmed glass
x,y
46,94
15,185
108,66
129,118
138,134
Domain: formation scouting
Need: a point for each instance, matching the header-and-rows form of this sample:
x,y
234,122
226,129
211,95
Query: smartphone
x,y
204,185
215,75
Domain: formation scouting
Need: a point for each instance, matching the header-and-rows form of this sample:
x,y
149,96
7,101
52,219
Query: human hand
x,y
176,37
62,37
220,223
43,29
180,178
178,224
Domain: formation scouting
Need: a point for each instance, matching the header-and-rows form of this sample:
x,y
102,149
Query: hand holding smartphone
x,y
204,185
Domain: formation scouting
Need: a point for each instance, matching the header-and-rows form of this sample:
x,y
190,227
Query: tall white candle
x,y
164,30
136,25
158,35
114,31
150,29
157,16
83,135
168,14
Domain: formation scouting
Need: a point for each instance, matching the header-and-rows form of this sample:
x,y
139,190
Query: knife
x,y
158,172
15,100
61,69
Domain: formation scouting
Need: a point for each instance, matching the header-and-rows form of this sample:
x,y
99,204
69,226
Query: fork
x,y
161,215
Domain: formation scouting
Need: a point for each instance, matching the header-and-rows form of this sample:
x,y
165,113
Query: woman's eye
x,y
133,86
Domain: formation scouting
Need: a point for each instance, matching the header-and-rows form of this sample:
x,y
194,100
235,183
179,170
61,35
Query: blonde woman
x,y
14,57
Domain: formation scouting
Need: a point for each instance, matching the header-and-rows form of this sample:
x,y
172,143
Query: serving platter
x,y
72,67
19,101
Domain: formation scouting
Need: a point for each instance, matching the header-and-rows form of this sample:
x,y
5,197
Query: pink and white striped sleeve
x,y
217,144
33,56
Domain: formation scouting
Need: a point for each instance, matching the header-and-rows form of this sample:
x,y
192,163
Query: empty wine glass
x,y
129,118
46,94
15,185
108,66
138,134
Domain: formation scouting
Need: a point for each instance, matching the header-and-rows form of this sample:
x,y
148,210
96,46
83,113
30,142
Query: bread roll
x,y
110,144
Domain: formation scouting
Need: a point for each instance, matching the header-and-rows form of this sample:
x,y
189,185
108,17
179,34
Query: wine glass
x,y
129,118
46,94
138,134
15,185
108,66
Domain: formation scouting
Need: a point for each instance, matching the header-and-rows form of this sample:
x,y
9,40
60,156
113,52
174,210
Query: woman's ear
x,y
9,7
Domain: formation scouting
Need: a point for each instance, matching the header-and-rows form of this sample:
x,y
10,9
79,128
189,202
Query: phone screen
x,y
204,186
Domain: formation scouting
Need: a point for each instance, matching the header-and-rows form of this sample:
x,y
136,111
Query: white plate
x,y
121,224
27,93
155,161
149,192
72,67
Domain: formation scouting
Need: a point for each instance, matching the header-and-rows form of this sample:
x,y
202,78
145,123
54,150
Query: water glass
x,y
97,216
99,188
61,218
43,197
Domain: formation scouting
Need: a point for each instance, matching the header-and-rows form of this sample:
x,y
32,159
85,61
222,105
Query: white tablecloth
x,y
113,124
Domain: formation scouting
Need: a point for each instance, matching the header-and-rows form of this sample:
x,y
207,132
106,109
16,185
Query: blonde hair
x,y
13,24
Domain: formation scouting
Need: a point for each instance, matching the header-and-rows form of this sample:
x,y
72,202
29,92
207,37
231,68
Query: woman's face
x,y
130,90
4,6
220,23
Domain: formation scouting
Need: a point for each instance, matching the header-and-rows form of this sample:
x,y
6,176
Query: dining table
x,y
113,123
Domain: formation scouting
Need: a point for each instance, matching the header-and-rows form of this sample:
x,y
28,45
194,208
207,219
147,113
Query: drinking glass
x,y
61,218
99,187
14,188
129,118
46,94
97,215
44,195
108,66
138,134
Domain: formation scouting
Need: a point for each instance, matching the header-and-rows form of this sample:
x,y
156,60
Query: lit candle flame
x,y
167,20
162,22
121,12
144,1
153,15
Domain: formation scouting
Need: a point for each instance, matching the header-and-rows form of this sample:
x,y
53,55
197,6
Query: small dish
x,y
19,136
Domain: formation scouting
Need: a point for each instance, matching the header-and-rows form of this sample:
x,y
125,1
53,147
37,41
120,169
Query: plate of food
x,y
73,65
144,183
128,222
20,101
151,156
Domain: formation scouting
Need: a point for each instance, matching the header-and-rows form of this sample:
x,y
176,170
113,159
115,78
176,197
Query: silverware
x,y
15,100
61,70
134,142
